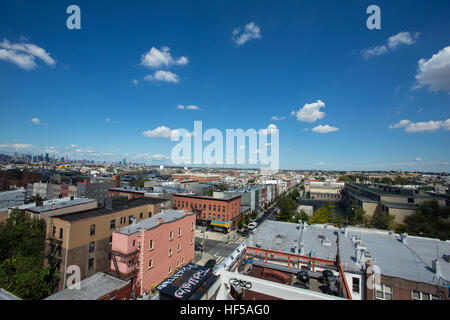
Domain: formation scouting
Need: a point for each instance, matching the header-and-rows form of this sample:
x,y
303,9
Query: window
x,y
110,240
179,248
218,208
417,295
182,260
192,224
150,263
383,292
134,243
191,240
91,264
141,215
356,285
223,209
92,232
179,232
91,246
170,270
170,252
171,235
54,231
60,233
178,264
112,224
209,207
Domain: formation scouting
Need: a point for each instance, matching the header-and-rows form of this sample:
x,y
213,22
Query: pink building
x,y
149,251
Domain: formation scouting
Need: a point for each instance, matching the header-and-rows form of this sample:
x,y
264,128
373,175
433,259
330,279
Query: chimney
x,y
437,268
159,221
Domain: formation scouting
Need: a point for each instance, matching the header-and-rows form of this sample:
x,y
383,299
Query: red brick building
x,y
218,213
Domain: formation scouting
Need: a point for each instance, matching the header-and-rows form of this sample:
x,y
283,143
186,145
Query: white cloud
x,y
242,35
107,120
435,72
156,58
17,147
324,129
375,51
74,146
135,82
402,38
35,121
23,54
190,107
419,159
160,75
275,118
310,112
425,126
392,43
161,132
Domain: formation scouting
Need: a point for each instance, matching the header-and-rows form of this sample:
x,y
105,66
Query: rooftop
x,y
206,197
59,205
86,214
412,260
91,288
167,216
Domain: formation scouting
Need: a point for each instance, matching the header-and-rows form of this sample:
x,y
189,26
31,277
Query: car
x,y
199,247
210,263
245,233
252,225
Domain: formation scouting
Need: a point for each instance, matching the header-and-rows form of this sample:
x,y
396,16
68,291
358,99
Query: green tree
x,y
429,220
322,215
22,244
382,220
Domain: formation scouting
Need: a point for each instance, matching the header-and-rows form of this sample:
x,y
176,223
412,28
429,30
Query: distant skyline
x,y
342,96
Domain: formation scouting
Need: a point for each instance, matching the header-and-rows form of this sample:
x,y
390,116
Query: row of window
x,y
169,271
385,292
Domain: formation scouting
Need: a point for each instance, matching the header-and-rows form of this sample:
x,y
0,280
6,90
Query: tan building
x,y
377,198
84,238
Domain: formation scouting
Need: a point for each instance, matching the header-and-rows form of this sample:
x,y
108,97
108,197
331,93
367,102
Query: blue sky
x,y
88,94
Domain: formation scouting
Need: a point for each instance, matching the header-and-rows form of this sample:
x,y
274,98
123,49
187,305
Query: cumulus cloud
x,y
392,43
162,132
242,35
324,129
425,126
163,76
310,112
157,58
36,120
135,82
435,72
23,54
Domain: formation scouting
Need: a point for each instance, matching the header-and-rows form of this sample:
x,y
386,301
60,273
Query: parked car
x,y
245,233
210,263
252,225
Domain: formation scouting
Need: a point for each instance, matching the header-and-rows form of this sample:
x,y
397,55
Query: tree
x,y
429,220
382,220
322,215
357,216
22,245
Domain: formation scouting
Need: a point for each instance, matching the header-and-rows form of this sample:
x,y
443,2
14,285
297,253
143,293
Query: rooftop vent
x,y
403,237
326,242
